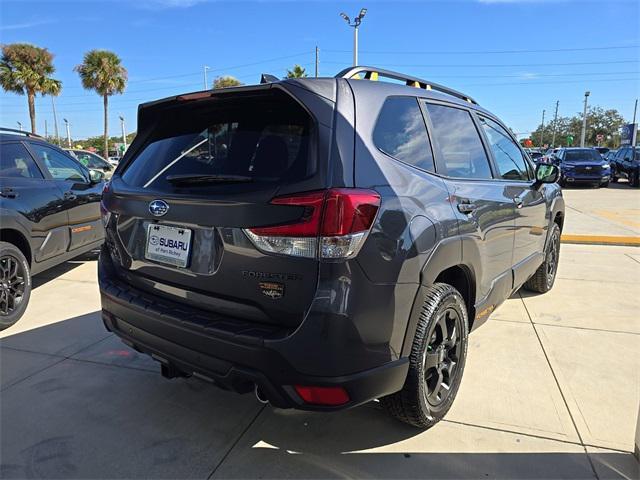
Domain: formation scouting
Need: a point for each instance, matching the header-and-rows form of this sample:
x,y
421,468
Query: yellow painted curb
x,y
601,240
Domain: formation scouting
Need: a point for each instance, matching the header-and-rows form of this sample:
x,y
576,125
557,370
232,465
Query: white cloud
x,y
23,25
162,4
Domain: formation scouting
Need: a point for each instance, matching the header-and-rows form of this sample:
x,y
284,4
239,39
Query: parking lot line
x,y
601,240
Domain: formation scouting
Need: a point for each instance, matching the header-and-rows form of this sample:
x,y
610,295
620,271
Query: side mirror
x,y
546,173
96,176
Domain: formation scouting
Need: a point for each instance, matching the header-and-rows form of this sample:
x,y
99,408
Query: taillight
x,y
333,225
104,212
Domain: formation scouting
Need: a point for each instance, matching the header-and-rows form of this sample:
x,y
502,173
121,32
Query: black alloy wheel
x,y
15,284
12,284
441,356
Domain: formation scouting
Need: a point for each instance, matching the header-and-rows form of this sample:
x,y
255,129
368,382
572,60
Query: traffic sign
x,y
599,137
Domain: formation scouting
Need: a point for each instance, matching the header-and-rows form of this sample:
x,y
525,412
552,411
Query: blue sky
x,y
497,51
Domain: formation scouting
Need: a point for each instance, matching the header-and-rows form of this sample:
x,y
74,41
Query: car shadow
x,y
45,277
89,400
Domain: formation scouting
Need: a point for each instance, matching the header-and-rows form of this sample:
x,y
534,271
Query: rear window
x,y
581,155
247,139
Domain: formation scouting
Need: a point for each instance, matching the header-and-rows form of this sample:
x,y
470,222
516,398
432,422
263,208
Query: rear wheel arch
x,y
452,272
461,278
15,237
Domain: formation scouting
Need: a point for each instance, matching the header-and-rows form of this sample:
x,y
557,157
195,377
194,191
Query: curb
x,y
601,240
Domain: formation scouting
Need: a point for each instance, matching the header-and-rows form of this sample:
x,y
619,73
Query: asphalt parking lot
x,y
551,389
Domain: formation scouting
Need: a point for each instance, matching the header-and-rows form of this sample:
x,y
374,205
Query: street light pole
x,y
542,130
124,134
584,119
555,125
356,25
55,120
206,84
317,60
66,122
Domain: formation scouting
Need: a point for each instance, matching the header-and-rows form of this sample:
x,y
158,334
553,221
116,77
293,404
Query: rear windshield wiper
x,y
191,179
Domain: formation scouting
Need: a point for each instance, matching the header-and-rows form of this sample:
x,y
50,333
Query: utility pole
x,y
542,130
634,134
124,134
66,122
317,59
584,119
206,85
55,120
19,125
555,125
356,25
46,130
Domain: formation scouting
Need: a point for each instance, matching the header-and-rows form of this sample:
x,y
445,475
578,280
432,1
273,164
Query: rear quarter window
x,y
401,133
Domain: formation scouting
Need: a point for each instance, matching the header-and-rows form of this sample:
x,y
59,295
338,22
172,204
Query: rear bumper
x,y
237,358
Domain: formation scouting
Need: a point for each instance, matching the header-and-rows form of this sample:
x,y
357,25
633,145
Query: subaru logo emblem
x,y
158,208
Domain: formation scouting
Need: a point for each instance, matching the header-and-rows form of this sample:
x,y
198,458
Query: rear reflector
x,y
333,225
331,396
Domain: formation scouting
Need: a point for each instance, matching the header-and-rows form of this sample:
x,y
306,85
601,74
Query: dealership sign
x,y
628,134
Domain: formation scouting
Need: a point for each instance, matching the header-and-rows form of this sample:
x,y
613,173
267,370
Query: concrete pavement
x,y
551,389
604,212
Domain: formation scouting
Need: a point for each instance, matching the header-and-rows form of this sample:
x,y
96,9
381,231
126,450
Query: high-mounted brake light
x,y
333,225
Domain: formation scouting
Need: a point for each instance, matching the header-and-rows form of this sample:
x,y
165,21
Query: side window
x,y
59,165
510,162
15,161
401,133
459,142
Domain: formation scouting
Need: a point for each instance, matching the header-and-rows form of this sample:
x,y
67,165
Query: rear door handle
x,y
466,207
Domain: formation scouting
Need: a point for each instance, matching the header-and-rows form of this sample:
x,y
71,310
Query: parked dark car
x,y
582,165
50,210
93,161
626,164
323,242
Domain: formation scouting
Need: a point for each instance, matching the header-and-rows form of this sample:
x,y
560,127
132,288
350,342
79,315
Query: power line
x,y
219,69
122,101
487,52
497,65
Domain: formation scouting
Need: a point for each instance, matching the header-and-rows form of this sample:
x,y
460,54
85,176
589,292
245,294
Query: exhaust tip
x,y
262,398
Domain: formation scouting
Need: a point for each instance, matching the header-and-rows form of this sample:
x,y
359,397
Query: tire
x,y
604,184
614,177
542,281
440,341
15,284
634,179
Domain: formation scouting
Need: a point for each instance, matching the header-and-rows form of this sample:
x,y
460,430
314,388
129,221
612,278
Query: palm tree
x,y
226,81
27,68
102,71
297,72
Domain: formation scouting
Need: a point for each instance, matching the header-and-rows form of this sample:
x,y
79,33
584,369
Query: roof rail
x,y
372,73
21,132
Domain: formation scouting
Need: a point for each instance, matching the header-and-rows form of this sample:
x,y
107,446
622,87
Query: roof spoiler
x,y
268,78
372,73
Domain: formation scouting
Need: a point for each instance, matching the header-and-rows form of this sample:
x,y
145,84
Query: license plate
x,y
170,245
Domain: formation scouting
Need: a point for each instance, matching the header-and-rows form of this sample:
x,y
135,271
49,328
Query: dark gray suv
x,y
323,242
